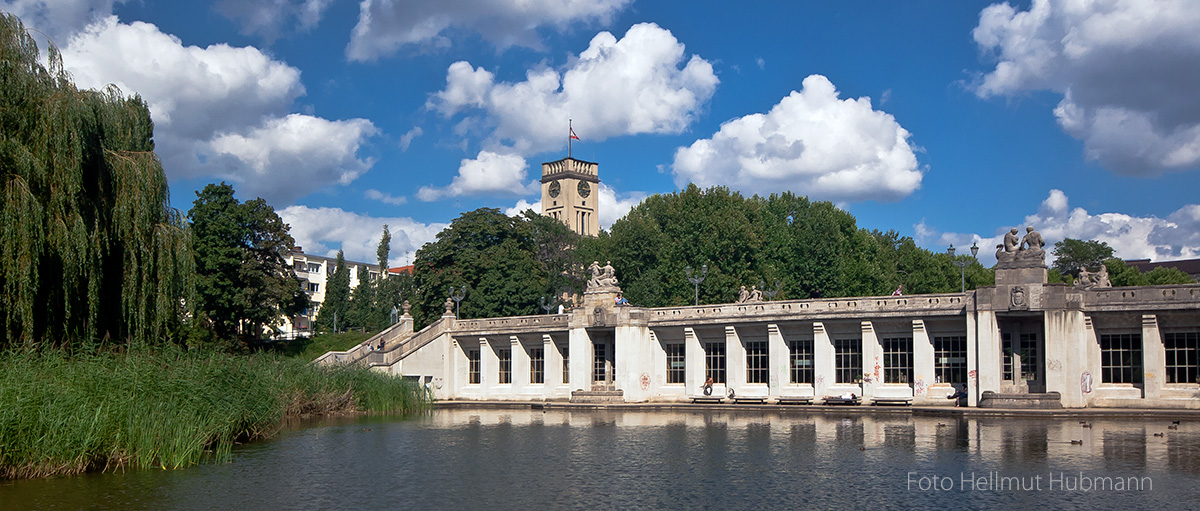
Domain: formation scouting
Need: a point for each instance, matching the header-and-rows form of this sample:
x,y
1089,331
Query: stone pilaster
x,y
824,369
778,363
923,360
695,370
735,359
489,368
872,358
1154,357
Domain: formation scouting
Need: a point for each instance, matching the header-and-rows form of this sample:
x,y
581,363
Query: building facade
x,y
314,272
571,194
1020,342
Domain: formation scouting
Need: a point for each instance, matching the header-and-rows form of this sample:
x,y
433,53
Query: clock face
x,y
555,188
584,189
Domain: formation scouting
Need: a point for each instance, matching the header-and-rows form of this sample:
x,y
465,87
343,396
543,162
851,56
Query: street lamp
x,y
769,294
547,306
962,265
696,280
458,298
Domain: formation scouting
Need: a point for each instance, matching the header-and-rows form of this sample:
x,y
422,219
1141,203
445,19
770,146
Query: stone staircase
x,y
600,394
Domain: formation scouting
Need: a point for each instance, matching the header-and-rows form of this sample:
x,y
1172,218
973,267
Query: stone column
x,y
456,375
1154,358
1066,355
551,364
1090,379
872,359
489,367
983,355
695,371
735,360
824,368
519,363
923,360
580,354
778,363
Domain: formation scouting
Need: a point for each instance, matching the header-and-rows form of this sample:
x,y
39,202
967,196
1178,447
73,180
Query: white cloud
x,y
59,19
384,26
385,198
221,111
642,83
269,18
1131,237
489,173
407,138
523,205
811,143
323,231
1126,70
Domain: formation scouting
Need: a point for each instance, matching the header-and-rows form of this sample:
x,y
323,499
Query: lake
x,y
562,458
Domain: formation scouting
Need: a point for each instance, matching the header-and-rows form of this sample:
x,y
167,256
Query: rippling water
x,y
560,459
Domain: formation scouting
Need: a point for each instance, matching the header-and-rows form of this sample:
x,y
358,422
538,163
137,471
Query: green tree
x,y
1072,254
337,297
243,281
91,248
493,255
1123,275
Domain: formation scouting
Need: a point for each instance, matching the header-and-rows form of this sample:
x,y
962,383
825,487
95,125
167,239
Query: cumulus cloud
x,y
1126,70
323,231
811,143
1174,237
59,19
270,19
641,83
489,173
385,198
523,205
384,26
221,111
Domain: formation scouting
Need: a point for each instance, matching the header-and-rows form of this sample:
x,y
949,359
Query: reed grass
x,y
167,409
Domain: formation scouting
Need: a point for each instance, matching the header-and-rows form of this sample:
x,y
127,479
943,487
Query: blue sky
x,y
946,121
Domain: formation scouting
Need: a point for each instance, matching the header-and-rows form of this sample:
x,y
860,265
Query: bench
x,y
707,399
902,401
795,400
841,401
750,399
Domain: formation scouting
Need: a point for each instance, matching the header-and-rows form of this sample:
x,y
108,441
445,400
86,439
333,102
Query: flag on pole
x,y
573,135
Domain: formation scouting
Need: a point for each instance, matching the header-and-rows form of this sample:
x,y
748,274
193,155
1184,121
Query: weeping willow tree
x,y
90,248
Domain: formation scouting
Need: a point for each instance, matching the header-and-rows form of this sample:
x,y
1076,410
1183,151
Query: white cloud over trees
x,y
323,231
1126,69
811,143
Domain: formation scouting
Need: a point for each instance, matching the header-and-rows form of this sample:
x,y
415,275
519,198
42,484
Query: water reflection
x,y
558,458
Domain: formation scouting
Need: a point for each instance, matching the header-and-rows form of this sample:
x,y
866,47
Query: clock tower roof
x,y
570,168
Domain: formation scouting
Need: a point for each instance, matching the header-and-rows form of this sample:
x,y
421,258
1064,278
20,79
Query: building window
x,y
676,362
1029,356
598,367
757,362
1120,358
312,287
314,267
1006,355
801,361
897,359
473,367
1183,357
847,357
300,266
505,358
566,365
714,361
537,365
950,359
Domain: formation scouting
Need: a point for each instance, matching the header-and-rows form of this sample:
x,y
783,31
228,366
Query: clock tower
x,y
571,194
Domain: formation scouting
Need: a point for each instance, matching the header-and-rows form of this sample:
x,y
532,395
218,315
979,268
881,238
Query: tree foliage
x,y
91,248
243,281
1073,254
337,297
506,263
1122,275
813,249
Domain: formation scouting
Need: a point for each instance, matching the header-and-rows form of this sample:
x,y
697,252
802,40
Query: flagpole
x,y
569,132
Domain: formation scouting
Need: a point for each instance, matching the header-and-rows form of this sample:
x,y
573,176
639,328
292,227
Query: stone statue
x,y
1011,241
1032,241
755,294
1102,277
1085,278
603,279
743,295
449,307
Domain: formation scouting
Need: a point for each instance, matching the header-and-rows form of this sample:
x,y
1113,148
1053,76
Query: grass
x,y
309,348
167,409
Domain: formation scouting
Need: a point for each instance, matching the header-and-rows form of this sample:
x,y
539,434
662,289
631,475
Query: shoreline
x,y
927,411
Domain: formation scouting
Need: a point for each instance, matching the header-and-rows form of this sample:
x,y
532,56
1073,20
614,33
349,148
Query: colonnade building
x,y
1020,343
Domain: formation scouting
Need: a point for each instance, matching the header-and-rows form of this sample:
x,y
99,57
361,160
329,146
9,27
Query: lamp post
x,y
458,298
696,280
770,294
547,306
962,265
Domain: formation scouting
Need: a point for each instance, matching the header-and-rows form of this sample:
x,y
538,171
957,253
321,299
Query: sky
x,y
950,122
